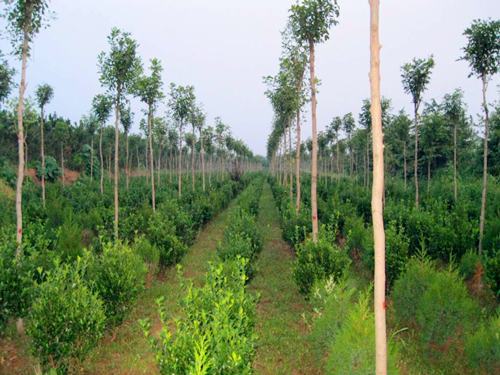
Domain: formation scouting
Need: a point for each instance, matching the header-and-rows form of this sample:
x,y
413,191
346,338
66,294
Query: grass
x,y
283,347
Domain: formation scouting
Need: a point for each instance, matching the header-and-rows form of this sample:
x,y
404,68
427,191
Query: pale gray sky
x,y
225,47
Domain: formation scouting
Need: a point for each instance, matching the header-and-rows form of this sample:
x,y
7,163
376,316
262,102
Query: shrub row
x,y
216,334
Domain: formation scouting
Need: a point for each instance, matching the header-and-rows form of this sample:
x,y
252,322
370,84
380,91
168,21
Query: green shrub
x,y
493,273
216,335
117,275
482,348
359,236
396,252
148,252
436,304
69,241
352,349
318,261
52,170
66,319
235,245
244,224
469,263
161,233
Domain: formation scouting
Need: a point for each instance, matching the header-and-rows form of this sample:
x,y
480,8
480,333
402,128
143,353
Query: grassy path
x,y
282,347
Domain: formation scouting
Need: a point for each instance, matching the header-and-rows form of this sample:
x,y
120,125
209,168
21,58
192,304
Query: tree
x,y
398,135
25,19
6,79
311,21
44,94
148,88
119,70
127,118
482,52
453,108
101,108
181,102
334,130
415,77
348,124
378,193
198,122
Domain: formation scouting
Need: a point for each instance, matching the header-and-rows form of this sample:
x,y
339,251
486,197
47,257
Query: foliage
x,y
311,20
436,325
66,319
52,170
318,261
416,76
161,233
117,276
216,336
482,347
148,252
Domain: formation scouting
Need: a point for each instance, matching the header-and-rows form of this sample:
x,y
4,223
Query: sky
x,y
225,47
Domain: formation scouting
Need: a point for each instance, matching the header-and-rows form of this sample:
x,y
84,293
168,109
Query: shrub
x,y
148,252
468,264
117,275
435,303
69,241
244,224
52,170
216,336
482,348
352,349
493,273
235,245
396,254
161,233
317,261
66,319
359,237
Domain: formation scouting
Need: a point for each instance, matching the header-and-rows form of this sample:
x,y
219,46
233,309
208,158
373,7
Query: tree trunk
x,y
290,163
485,165
192,160
378,194
92,158
416,105
116,169
151,157
297,164
62,165
202,160
179,188
314,165
127,171
20,143
42,155
404,163
101,157
455,187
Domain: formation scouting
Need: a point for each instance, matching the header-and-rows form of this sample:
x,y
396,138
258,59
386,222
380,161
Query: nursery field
x,y
139,234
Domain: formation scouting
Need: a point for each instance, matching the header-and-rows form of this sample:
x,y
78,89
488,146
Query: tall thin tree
x,y
119,70
482,52
44,94
415,78
101,108
311,21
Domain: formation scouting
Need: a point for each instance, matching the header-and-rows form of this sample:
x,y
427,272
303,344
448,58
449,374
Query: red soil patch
x,y
69,176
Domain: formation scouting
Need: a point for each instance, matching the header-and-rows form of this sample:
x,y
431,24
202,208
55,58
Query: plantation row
x,y
216,334
73,282
437,313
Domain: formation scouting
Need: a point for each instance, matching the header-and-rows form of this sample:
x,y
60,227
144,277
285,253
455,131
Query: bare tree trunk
x,y
116,169
180,163
202,160
92,158
485,165
42,155
151,157
297,164
378,194
404,163
127,170
101,157
20,143
455,186
314,165
416,156
62,165
192,160
290,162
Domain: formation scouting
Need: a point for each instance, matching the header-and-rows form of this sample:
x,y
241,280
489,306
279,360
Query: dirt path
x,y
282,345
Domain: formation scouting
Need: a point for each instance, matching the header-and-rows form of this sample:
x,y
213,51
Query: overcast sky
x,y
225,47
